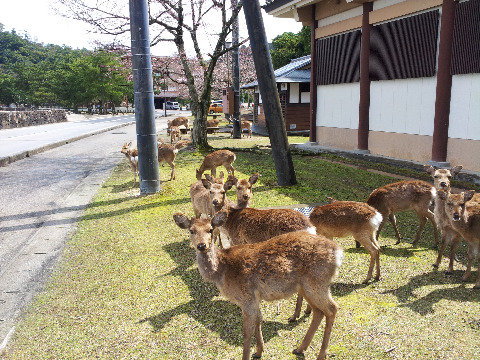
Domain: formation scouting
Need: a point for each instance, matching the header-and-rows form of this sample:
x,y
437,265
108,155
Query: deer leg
x,y
298,308
469,263
374,258
446,238
393,221
251,324
455,241
477,284
172,175
423,221
214,172
382,224
316,320
329,320
431,217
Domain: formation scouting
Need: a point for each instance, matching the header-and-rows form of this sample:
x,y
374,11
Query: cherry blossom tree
x,y
178,22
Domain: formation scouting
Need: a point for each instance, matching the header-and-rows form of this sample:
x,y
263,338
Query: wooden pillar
x,y
313,82
444,83
364,106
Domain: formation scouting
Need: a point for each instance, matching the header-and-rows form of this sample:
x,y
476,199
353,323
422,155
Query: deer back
x,y
247,225
344,218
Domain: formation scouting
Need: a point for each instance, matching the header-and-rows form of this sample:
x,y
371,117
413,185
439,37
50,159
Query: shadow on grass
x,y
453,289
219,316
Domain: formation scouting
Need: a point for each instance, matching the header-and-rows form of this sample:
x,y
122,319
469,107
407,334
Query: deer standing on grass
x,y
465,219
209,195
175,133
270,270
401,196
132,156
215,159
168,152
244,124
441,182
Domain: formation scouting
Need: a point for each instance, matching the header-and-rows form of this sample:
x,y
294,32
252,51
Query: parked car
x,y
216,107
172,105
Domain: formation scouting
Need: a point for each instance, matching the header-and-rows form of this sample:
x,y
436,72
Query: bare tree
x,y
177,22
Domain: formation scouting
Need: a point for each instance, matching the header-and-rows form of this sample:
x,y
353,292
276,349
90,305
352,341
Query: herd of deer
x,y
271,254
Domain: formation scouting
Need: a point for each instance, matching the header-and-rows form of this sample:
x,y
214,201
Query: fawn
x,y
244,189
132,157
269,270
168,152
441,182
244,124
401,196
465,219
215,159
175,133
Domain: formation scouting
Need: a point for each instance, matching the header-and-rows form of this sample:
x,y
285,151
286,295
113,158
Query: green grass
x,y
128,287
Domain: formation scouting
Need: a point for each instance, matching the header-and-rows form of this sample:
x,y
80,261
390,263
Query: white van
x,y
171,105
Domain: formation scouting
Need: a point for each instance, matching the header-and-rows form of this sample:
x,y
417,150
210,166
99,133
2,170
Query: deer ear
x,y
182,221
253,179
228,185
467,195
429,169
455,170
222,175
219,219
206,183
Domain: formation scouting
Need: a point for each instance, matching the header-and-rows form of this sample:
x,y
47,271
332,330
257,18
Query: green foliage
x,y
38,75
289,46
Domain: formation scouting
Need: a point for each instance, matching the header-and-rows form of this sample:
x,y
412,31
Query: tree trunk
x,y
268,90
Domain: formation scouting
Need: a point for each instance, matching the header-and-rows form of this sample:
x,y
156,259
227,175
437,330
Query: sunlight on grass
x,y
128,286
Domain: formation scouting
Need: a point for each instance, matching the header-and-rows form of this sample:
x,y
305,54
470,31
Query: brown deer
x,y
168,152
179,121
244,124
132,156
244,189
215,159
212,123
401,196
175,133
270,270
350,218
465,219
441,182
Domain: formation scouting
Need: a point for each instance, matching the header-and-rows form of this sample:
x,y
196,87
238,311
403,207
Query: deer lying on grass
x,y
168,152
244,124
132,157
175,133
270,270
212,123
465,219
215,159
441,182
401,196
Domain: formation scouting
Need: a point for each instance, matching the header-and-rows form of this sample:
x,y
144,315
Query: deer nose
x,y
443,184
215,202
456,217
245,197
202,247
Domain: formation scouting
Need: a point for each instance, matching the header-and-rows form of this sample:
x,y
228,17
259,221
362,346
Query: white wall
x,y
403,106
465,107
337,105
294,93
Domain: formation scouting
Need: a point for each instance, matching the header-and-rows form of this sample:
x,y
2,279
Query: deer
x,y
244,124
270,270
168,152
401,196
215,159
212,122
179,121
464,216
243,190
208,195
441,182
175,133
132,156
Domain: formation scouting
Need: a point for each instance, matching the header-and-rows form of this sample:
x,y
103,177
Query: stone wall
x,y
15,119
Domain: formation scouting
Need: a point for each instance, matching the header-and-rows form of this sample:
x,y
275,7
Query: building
x,y
293,85
397,78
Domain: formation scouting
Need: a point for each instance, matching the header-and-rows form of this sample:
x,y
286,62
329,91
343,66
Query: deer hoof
x,y
448,272
255,356
298,353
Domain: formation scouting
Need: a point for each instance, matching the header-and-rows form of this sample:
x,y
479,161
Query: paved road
x,y
43,196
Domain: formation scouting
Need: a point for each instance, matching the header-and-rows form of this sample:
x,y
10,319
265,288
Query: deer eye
x,y
436,176
191,231
211,231
449,176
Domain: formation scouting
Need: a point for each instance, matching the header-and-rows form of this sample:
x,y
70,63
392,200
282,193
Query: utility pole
x,y
277,132
237,130
144,106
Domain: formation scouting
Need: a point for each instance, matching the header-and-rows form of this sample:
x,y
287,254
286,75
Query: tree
x,y
170,22
288,46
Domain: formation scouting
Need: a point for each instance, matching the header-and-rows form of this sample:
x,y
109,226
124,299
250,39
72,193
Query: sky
x,y
38,19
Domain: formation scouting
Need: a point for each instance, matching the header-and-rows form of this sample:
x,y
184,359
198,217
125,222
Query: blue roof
x,y
292,72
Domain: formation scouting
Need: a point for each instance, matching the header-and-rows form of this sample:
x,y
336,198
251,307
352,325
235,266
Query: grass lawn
x,y
127,286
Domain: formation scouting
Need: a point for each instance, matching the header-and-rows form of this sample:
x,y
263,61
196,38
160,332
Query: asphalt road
x,y
43,195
